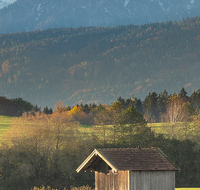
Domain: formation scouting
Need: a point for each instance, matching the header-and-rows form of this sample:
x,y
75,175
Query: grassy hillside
x,y
4,124
158,128
93,64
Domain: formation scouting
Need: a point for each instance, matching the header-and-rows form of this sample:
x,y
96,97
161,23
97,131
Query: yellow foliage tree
x,y
75,110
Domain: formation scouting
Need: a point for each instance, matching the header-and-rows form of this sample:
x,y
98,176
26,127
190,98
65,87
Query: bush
x,y
82,188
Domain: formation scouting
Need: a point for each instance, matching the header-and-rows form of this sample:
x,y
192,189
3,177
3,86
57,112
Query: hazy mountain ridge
x,y
28,15
3,4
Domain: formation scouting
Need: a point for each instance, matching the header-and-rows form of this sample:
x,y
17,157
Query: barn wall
x,y
110,181
152,180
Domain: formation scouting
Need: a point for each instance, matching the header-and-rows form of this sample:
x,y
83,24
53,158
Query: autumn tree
x,y
178,109
42,150
171,115
185,115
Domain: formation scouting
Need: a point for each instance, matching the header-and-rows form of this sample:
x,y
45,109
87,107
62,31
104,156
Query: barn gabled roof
x,y
135,159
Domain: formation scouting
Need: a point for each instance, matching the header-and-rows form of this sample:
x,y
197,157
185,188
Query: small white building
x,y
130,169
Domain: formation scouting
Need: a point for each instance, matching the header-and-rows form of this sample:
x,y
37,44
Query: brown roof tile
x,y
129,159
137,159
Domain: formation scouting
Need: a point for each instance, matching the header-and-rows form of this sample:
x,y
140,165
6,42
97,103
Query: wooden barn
x,y
130,169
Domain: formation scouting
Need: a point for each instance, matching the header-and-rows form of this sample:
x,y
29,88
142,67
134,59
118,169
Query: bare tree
x,y
172,114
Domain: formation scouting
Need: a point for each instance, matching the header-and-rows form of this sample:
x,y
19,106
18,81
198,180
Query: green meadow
x,y
5,122
178,130
158,128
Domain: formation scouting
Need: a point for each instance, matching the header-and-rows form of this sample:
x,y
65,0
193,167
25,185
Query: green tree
x,y
22,106
132,122
162,102
183,93
47,110
195,128
195,99
150,107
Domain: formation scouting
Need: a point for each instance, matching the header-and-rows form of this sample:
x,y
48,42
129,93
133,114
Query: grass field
x,y
176,130
158,128
4,124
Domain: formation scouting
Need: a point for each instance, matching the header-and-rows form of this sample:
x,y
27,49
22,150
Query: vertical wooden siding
x,y
152,180
110,181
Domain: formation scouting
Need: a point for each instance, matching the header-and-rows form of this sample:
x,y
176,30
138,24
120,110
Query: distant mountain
x,y
3,4
6,3
99,64
29,15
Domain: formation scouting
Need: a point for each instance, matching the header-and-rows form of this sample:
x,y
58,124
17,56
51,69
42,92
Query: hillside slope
x,y
94,64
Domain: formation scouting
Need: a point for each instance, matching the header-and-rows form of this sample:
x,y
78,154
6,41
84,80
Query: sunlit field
x,y
179,130
158,128
4,124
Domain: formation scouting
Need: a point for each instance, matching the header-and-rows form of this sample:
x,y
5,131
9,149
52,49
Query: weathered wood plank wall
x,y
152,180
112,181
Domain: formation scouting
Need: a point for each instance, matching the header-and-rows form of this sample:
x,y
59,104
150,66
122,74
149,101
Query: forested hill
x,y
99,64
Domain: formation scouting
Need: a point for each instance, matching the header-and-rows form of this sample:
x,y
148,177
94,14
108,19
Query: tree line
x,y
162,107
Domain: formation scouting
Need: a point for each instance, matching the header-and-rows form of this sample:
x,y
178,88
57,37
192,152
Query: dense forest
x,y
99,64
